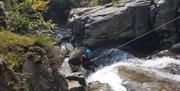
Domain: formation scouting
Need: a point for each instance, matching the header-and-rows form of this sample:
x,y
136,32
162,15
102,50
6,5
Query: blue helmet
x,y
88,52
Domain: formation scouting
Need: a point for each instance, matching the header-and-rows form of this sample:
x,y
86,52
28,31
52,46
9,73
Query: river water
x,y
154,67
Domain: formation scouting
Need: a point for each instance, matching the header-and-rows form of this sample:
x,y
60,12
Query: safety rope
x,y
147,33
143,35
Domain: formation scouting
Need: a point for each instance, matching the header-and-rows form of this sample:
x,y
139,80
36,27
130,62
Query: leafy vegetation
x,y
21,37
13,46
27,17
44,40
23,17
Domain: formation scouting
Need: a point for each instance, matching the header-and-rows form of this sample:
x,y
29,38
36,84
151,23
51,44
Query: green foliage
x,y
8,39
12,48
27,17
44,40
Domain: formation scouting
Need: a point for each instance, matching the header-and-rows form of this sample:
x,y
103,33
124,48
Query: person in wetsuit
x,y
86,61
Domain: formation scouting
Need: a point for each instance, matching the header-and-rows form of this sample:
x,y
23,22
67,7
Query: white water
x,y
109,74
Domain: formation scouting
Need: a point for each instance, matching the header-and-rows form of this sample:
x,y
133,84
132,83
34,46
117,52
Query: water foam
x,y
109,74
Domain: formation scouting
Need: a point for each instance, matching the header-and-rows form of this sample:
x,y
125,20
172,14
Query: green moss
x,y
13,47
8,39
44,40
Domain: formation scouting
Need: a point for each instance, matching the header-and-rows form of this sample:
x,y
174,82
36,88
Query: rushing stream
x,y
108,75
156,69
121,71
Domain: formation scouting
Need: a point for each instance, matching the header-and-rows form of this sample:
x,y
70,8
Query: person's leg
x,y
93,64
87,67
92,69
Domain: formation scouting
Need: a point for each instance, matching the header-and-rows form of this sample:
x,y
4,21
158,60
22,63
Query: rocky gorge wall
x,y
112,24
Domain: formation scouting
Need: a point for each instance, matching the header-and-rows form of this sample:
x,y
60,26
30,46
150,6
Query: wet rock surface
x,y
175,48
75,86
151,75
97,86
144,81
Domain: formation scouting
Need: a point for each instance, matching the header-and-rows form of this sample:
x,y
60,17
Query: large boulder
x,y
175,48
167,11
103,25
116,24
42,70
76,81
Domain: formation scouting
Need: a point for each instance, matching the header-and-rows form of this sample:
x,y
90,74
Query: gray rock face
x,y
167,11
102,24
42,72
110,24
76,81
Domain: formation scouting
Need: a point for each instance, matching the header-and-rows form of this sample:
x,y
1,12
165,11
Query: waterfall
x,y
156,68
108,75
